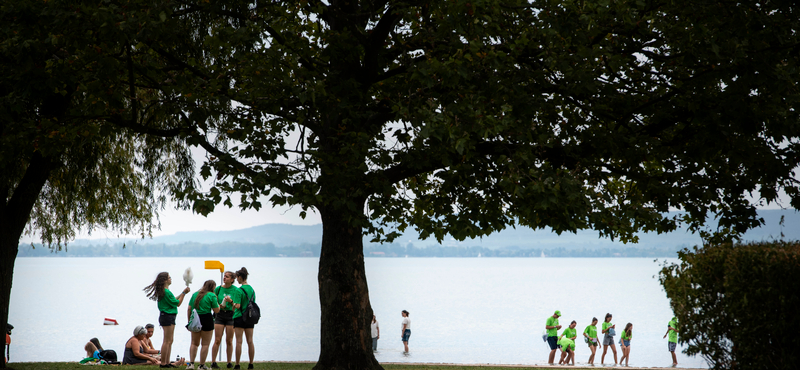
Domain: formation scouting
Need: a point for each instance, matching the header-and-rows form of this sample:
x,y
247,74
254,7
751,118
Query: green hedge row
x,y
738,306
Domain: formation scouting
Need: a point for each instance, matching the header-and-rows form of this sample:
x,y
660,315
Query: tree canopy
x,y
464,117
67,162
467,117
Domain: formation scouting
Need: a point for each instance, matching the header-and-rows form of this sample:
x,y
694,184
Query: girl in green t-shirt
x,y
590,333
205,302
608,339
228,298
572,335
240,328
625,343
168,307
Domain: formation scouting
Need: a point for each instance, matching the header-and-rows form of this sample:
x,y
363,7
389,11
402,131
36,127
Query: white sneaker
x,y
189,367
202,367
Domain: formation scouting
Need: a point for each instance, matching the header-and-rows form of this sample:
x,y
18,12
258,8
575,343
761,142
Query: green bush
x,y
737,305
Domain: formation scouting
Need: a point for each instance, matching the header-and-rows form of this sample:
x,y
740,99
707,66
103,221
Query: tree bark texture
x,y
14,214
346,341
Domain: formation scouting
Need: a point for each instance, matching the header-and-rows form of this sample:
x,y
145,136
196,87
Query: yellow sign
x,y
214,265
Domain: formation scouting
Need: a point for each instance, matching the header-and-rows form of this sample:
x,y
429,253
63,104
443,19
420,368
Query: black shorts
x,y
224,318
553,342
166,319
239,323
207,321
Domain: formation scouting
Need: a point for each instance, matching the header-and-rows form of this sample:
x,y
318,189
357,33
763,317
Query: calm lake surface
x,y
463,310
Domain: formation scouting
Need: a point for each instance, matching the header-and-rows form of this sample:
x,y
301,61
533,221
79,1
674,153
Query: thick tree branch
x,y
377,37
120,121
21,203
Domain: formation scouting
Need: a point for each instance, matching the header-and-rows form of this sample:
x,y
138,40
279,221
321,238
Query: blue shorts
x,y
672,346
626,342
406,335
553,342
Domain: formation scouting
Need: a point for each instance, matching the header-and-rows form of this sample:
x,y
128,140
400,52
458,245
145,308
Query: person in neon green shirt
x,y
552,328
590,335
608,338
205,302
168,310
567,347
672,330
625,343
572,335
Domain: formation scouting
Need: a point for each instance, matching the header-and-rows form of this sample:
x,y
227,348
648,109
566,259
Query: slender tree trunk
x,y
346,341
14,214
8,255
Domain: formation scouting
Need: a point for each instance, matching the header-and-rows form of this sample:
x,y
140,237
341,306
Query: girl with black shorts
x,y
227,296
205,302
239,326
168,310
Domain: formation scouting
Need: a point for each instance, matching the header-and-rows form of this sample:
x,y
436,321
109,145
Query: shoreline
x,y
392,365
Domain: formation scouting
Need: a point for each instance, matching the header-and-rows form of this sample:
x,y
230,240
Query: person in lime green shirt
x,y
205,302
228,298
239,326
672,330
168,310
608,338
567,347
625,343
590,335
552,328
571,334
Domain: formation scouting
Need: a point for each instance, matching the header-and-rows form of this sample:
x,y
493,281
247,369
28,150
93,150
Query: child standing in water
x,y
590,333
608,339
625,343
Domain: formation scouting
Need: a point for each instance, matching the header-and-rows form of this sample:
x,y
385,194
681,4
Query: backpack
x,y
109,355
252,313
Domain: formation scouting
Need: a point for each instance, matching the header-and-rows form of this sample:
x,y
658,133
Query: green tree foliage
x,y
737,305
65,94
466,117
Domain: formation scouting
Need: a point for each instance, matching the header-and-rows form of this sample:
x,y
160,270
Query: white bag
x,y
544,336
194,322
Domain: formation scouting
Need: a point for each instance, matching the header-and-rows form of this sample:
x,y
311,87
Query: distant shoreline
x,y
313,250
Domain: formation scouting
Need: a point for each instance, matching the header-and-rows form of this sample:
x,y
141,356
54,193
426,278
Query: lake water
x,y
463,310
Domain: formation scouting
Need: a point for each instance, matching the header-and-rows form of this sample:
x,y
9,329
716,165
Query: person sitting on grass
x,y
147,344
93,348
134,352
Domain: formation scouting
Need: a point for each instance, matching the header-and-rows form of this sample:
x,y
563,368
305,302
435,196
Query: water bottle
x,y
178,358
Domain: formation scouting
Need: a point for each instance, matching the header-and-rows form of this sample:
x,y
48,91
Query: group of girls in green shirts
x,y
566,341
219,309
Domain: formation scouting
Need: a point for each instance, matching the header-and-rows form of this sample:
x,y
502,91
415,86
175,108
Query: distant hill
x,y
285,235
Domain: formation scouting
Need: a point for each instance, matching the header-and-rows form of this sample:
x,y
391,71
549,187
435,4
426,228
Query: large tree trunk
x,y
345,341
14,214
